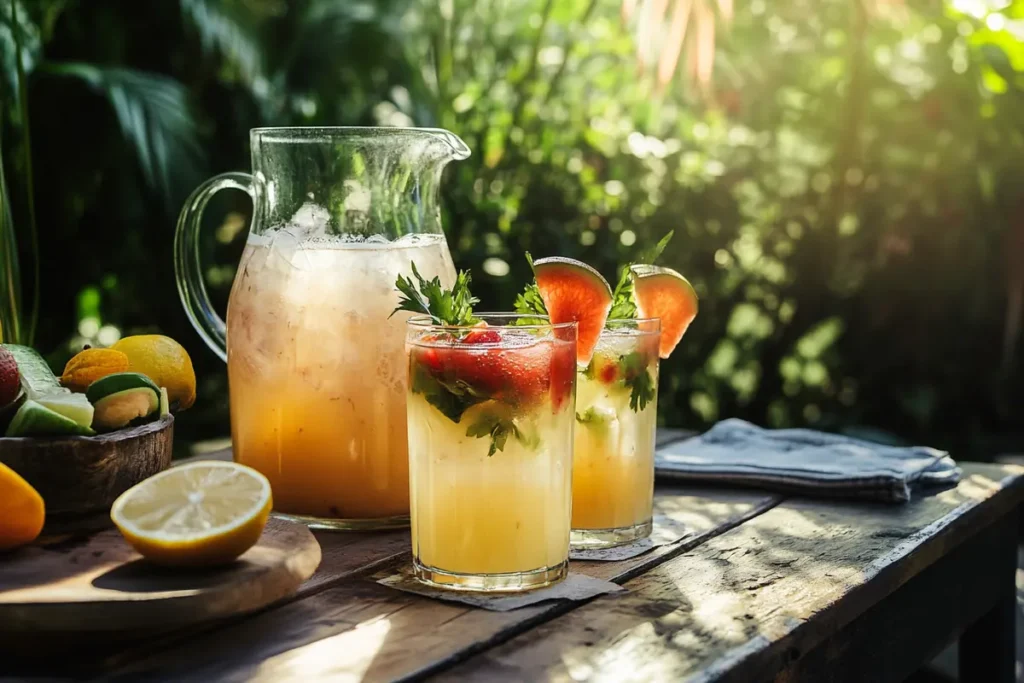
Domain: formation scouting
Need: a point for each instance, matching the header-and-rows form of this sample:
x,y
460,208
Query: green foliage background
x,y
846,191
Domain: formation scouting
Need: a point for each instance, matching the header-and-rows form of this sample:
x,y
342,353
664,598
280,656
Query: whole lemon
x,y
165,362
22,512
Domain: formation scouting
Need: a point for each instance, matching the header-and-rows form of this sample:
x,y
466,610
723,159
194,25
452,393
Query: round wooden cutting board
x,y
100,585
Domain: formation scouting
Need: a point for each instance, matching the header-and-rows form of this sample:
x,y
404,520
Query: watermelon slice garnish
x,y
665,294
574,292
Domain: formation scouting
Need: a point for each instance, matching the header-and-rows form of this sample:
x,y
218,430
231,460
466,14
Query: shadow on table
x,y
748,585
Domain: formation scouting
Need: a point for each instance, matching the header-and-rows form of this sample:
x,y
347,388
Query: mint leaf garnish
x,y
498,428
452,307
451,398
654,253
622,297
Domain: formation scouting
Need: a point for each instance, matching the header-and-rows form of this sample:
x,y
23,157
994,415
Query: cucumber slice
x,y
33,419
72,406
165,405
43,387
36,377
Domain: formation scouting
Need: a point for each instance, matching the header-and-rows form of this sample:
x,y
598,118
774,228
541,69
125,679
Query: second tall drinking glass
x,y
616,416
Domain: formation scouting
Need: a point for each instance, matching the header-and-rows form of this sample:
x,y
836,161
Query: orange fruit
x,y
89,365
22,512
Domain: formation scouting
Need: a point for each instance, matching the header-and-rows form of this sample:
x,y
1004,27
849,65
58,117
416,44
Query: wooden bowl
x,y
81,476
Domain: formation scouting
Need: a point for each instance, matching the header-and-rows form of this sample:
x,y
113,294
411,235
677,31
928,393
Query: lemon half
x,y
201,514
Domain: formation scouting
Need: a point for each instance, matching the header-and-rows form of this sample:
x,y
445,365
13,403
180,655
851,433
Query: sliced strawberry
x,y
482,337
517,375
607,372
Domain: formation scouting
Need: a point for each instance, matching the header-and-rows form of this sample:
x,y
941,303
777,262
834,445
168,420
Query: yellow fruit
x,y
202,514
90,365
165,362
22,512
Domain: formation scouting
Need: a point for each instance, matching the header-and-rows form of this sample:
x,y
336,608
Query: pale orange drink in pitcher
x,y
316,367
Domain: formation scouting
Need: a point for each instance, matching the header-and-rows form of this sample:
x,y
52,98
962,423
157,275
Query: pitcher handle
x,y
187,269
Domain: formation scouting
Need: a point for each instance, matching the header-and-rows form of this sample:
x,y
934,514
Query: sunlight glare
x,y
345,656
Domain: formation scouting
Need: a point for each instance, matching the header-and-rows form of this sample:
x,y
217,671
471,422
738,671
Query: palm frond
x,y
223,27
155,116
664,28
10,282
17,34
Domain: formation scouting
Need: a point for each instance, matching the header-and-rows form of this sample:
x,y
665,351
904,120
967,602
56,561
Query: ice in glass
x,y
491,413
317,370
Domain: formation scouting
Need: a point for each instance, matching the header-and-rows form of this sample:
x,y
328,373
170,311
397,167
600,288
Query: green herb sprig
x,y
499,427
530,303
453,307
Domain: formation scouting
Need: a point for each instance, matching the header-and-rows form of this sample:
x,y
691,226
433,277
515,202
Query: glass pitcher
x,y
316,368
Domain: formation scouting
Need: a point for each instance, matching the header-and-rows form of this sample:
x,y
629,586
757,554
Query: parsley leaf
x,y
622,297
499,427
451,398
642,391
530,303
445,306
638,378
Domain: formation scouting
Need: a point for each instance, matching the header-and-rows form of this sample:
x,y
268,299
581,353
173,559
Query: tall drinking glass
x,y
315,365
616,420
490,452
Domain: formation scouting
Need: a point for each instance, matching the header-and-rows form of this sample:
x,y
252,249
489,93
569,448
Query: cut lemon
x,y
201,514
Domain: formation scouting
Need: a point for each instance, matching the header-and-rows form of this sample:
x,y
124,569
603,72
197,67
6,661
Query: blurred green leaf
x,y
27,35
10,273
155,116
225,26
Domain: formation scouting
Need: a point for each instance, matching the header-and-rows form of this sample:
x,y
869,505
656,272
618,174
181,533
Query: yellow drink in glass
x,y
490,453
616,420
317,373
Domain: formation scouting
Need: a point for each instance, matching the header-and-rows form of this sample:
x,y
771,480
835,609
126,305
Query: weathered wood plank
x,y
361,630
742,606
343,553
909,627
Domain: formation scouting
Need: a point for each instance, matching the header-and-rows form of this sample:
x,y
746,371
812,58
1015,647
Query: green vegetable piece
x,y
33,419
121,398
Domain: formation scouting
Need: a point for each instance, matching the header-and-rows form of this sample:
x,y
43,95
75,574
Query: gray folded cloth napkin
x,y
806,462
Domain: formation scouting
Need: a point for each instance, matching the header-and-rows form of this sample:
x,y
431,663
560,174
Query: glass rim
x,y
425,322
457,148
636,331
300,133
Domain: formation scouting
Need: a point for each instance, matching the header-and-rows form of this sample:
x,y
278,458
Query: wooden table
x,y
765,588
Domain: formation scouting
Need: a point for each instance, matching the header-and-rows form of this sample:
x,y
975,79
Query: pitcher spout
x,y
459,149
